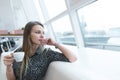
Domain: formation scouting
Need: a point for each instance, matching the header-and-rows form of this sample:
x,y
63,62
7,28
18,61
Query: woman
x,y
37,58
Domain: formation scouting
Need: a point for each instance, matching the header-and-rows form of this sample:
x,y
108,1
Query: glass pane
x,y
100,24
55,7
37,5
46,33
63,31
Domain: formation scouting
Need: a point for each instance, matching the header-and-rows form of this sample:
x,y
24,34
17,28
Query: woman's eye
x,y
38,32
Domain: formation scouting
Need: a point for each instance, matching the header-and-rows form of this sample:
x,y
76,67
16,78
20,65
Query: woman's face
x,y
36,34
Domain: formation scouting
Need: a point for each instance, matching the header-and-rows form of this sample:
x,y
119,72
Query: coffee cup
x,y
18,56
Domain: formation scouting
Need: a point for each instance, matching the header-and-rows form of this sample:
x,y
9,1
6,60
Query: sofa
x,y
92,64
71,71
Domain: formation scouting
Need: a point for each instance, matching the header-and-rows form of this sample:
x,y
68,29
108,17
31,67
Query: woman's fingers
x,y
47,41
8,60
8,56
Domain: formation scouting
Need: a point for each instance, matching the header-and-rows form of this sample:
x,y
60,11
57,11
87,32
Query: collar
x,y
40,50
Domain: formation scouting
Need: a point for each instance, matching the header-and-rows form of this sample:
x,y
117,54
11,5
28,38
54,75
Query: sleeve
x,y
16,69
57,56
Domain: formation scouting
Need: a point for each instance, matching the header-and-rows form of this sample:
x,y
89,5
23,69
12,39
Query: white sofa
x,y
93,64
70,71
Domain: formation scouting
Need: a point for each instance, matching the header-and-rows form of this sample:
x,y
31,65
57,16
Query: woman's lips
x,y
41,39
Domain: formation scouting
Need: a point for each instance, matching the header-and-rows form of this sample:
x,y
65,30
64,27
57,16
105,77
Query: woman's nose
x,y
41,36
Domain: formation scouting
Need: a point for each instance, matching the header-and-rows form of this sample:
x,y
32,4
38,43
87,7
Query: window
x,y
100,24
55,7
37,5
63,30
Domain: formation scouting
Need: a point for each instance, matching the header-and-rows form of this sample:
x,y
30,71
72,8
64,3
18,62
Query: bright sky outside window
x,y
63,31
102,14
55,7
37,5
62,25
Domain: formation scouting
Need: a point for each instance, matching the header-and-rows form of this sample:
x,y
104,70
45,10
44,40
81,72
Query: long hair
x,y
27,45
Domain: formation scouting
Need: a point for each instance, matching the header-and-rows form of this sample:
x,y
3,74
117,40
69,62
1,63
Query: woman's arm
x,y
66,52
9,73
8,60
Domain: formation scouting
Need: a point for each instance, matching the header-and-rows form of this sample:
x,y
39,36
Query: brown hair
x,y
27,45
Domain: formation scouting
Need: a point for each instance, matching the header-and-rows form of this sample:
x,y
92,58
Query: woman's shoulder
x,y
47,51
50,51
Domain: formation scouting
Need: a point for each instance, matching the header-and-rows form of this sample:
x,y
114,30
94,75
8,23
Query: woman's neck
x,y
34,48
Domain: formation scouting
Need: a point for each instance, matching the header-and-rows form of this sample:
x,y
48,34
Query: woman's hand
x,y
47,41
8,60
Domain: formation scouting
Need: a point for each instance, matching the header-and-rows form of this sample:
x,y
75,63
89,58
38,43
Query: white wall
x,y
6,17
15,13
30,10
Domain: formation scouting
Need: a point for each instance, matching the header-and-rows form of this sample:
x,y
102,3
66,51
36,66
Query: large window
x,y
63,30
100,24
55,7
38,8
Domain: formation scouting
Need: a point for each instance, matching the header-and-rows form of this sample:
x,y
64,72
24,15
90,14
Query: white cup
x,y
18,56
